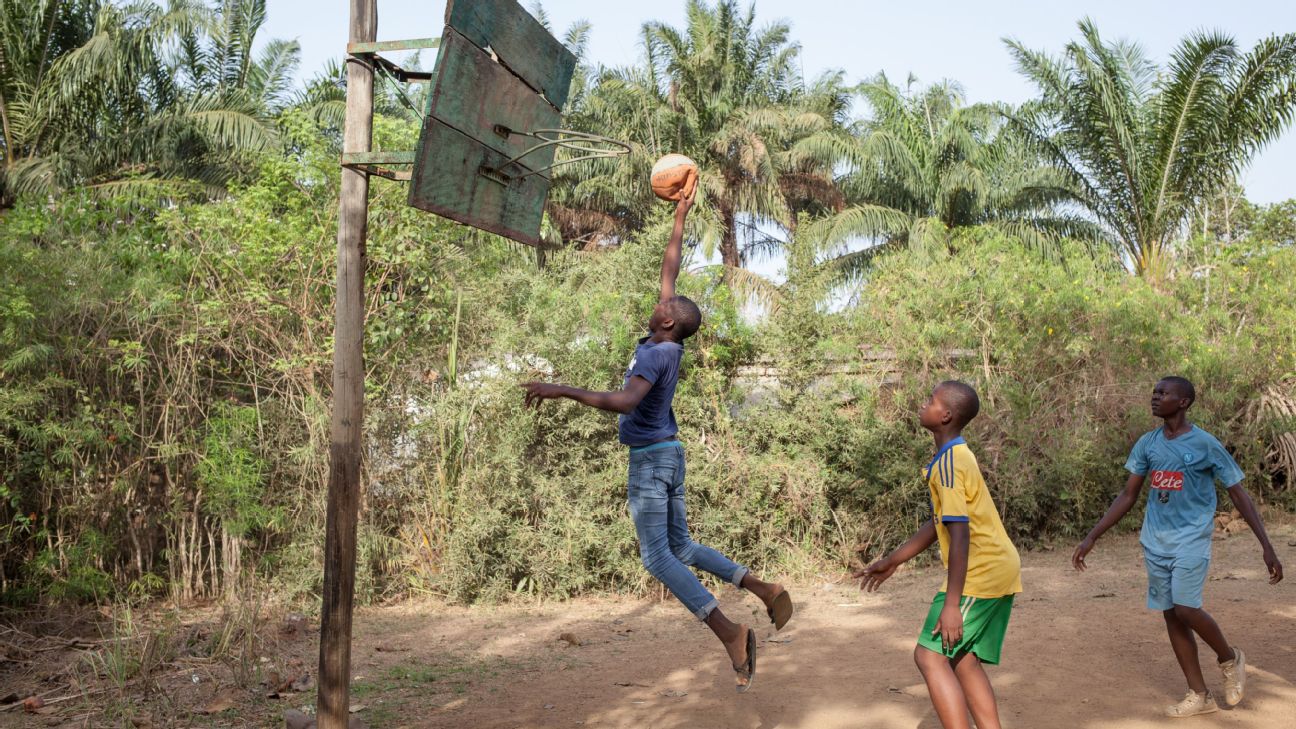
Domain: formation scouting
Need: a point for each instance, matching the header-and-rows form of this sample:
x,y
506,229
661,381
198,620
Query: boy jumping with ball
x,y
656,483
983,569
1181,462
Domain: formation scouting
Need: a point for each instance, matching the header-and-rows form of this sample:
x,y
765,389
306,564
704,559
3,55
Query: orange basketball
x,y
674,177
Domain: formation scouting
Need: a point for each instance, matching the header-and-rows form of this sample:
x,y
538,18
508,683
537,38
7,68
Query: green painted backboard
x,y
497,68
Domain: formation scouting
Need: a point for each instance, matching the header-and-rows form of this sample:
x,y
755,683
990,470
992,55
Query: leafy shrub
x,y
165,372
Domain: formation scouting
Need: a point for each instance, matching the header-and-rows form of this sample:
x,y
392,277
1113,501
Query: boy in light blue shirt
x,y
1180,463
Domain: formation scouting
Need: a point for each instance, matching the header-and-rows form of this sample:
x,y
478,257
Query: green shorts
x,y
985,621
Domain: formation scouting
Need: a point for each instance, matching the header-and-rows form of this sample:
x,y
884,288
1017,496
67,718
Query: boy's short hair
x,y
687,316
961,398
1185,386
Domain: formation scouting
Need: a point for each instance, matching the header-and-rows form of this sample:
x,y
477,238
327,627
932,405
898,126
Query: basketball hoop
x,y
587,146
498,71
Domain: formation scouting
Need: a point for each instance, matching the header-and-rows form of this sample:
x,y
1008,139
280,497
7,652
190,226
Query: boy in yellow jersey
x,y
982,564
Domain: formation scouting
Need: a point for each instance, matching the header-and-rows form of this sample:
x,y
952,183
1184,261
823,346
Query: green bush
x,y
165,374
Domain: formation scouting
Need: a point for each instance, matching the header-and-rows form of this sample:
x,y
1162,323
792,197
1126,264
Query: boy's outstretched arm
x,y
1120,507
674,256
616,401
950,623
878,572
1242,502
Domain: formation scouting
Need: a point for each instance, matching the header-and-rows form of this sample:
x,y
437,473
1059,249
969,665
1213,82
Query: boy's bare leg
x,y
765,591
944,688
977,691
1185,649
731,634
1204,625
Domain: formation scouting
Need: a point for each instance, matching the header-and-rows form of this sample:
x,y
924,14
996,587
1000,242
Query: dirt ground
x,y
1082,652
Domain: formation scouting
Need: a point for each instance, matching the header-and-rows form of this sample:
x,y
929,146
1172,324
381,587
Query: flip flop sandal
x,y
781,611
747,671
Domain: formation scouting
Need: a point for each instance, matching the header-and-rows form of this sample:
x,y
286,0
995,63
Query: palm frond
x,y
851,268
145,190
858,222
748,286
1260,99
929,235
576,39
271,76
30,176
1189,101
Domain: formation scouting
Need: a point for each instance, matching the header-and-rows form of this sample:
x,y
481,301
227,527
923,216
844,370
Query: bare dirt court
x,y
1082,653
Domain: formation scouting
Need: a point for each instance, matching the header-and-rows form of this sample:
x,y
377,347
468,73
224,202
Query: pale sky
x,y
933,40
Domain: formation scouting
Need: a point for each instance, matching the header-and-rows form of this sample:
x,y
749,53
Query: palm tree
x,y
32,36
925,164
223,59
132,97
1145,146
725,91
808,139
729,95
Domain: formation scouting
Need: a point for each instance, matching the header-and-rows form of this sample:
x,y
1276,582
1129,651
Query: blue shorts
x,y
1175,581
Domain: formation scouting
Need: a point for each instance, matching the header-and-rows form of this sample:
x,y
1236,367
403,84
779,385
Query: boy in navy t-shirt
x,y
656,483
1180,463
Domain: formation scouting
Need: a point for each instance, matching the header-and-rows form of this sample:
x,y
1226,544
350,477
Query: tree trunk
x,y
213,567
231,560
177,565
1154,264
4,128
729,255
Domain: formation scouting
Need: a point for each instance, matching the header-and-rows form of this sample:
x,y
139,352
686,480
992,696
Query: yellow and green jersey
x,y
959,493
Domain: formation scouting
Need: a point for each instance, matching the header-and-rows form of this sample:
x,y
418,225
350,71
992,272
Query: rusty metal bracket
x,y
379,163
370,51
416,44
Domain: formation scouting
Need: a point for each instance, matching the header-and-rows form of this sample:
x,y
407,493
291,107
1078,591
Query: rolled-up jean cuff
x,y
704,612
738,574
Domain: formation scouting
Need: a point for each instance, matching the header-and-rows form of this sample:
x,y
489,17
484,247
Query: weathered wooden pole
x,y
333,703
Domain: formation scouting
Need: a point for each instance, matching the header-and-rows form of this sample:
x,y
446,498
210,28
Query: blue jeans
x,y
656,500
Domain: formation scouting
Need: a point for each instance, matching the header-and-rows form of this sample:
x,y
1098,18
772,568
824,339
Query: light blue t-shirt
x,y
653,419
1181,475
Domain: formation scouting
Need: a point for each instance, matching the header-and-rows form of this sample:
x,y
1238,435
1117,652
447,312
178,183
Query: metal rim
x,y
581,142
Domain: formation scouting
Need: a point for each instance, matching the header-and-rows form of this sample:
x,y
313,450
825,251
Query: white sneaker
x,y
1234,677
1192,705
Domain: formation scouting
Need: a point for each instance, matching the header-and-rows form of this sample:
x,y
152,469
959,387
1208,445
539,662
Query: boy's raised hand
x,y
875,574
686,203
